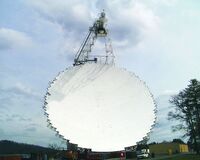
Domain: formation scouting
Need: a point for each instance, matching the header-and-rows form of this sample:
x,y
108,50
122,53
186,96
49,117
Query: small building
x,y
168,148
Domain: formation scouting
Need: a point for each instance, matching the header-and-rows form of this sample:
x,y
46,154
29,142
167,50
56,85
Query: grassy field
x,y
173,157
182,157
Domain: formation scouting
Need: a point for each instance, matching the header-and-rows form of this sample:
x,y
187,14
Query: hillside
x,y
10,147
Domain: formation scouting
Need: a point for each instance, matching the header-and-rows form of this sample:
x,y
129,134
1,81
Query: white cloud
x,y
166,2
26,90
70,14
130,21
12,39
169,92
20,89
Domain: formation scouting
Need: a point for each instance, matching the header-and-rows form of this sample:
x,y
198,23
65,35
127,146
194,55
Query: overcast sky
x,y
158,40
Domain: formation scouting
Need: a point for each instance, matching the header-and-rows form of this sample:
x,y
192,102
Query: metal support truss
x,y
97,30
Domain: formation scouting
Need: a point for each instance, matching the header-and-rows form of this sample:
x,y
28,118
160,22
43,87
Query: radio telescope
x,y
96,104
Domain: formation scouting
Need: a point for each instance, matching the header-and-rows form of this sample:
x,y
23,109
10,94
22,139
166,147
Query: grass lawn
x,y
184,157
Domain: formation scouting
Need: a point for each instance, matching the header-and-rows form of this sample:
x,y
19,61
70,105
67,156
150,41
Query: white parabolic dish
x,y
100,107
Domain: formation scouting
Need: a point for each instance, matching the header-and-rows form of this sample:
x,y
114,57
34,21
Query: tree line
x,y
187,111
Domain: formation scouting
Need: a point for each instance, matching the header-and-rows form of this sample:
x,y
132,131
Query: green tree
x,y
178,141
187,111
